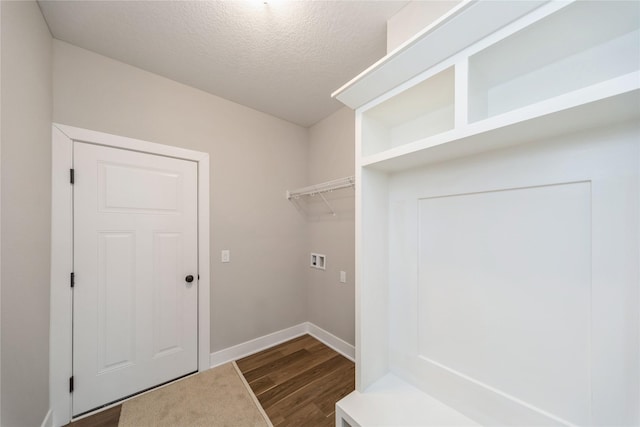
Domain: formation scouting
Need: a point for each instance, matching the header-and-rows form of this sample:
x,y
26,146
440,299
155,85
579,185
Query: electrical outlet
x,y
225,256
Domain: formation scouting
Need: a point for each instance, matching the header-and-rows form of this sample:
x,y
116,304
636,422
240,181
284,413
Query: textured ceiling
x,y
283,57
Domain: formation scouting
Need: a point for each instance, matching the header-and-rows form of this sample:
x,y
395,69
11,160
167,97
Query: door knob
x,y
189,278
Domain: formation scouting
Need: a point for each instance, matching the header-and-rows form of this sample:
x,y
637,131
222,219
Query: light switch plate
x,y
225,256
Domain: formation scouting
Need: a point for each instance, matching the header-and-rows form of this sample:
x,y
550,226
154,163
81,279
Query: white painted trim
x,y
452,32
60,351
239,351
342,417
204,280
109,140
48,419
247,348
338,344
0,230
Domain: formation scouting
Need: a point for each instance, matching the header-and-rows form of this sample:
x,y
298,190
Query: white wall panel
x,y
513,280
504,291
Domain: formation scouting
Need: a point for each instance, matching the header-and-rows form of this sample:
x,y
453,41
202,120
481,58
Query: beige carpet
x,y
219,397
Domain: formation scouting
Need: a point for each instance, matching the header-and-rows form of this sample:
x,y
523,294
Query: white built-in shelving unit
x,y
466,136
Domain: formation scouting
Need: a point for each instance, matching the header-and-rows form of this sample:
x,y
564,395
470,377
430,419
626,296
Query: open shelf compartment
x,y
583,44
423,110
614,101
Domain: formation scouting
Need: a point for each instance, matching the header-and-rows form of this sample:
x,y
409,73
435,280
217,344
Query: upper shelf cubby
x,y
420,111
583,44
464,24
564,66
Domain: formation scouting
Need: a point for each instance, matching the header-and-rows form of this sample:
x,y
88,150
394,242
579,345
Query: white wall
x,y
254,159
26,215
412,18
331,304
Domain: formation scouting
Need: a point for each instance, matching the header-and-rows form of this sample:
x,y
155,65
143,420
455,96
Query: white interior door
x,y
135,244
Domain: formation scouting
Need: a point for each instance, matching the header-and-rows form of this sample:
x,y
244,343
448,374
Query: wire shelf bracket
x,y
320,189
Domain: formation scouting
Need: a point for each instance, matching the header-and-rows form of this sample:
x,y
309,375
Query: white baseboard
x,y
48,420
258,344
255,345
338,344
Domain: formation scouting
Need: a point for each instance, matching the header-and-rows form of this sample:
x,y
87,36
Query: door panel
x,y
135,241
116,300
167,299
148,190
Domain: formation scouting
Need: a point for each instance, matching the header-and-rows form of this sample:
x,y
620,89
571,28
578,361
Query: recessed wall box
x,y
318,261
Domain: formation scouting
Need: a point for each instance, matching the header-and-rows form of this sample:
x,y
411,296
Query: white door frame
x,y
60,350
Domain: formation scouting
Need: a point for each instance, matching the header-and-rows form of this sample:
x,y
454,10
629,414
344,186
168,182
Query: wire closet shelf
x,y
324,187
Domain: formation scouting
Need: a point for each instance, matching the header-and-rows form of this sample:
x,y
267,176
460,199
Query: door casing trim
x,y
60,334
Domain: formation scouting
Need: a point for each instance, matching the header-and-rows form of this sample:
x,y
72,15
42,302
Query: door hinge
x,y
70,384
73,279
71,176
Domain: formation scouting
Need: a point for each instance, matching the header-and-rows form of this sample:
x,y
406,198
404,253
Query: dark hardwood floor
x,y
297,383
107,418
